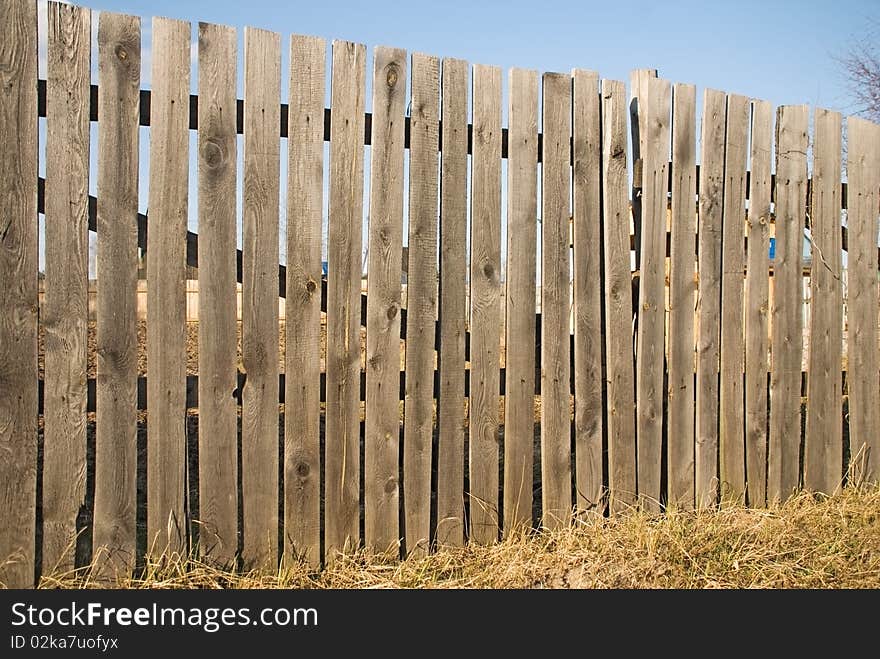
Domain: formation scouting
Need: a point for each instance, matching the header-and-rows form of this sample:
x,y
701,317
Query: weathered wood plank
x,y
453,305
682,300
757,301
65,310
522,214
259,297
119,69
305,172
709,296
18,294
654,132
786,311
485,302
863,174
218,331
638,86
382,428
421,300
342,456
619,373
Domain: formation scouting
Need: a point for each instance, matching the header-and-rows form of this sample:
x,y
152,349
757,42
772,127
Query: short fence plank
x,y
65,312
382,428
786,312
119,66
485,302
421,300
302,448
259,345
342,454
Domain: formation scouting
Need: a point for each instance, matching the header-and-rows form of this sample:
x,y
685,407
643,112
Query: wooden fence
x,y
694,402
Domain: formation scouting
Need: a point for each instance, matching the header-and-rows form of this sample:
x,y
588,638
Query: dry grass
x,y
809,542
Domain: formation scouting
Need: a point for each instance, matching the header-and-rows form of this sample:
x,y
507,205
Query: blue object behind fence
x,y
773,248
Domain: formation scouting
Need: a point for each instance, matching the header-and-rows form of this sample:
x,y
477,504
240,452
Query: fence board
x,y
863,174
522,213
711,186
654,103
682,289
18,294
302,448
823,448
485,302
382,430
638,85
119,67
757,301
218,331
65,309
453,305
342,470
259,328
555,305
421,300
618,301
786,311
731,427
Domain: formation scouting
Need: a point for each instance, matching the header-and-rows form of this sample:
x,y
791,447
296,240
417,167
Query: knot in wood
x,y
302,470
391,75
311,286
489,270
121,52
392,312
390,485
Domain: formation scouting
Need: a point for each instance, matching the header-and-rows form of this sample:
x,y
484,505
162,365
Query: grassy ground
x,y
809,542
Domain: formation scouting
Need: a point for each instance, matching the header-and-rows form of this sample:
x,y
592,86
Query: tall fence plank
x,y
302,448
731,426
786,311
345,236
682,289
166,292
587,287
555,304
757,301
863,174
259,329
218,331
620,410
18,294
650,349
453,304
421,300
522,213
119,68
65,311
485,302
382,429
823,448
709,296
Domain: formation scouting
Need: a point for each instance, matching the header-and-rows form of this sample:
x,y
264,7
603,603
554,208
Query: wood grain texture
x,y
18,294
167,523
421,300
65,310
786,311
757,302
619,375
731,425
682,300
218,326
342,452
119,68
863,175
305,187
382,430
587,221
555,304
638,86
522,214
259,327
709,210
453,303
654,108
485,302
